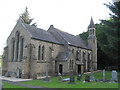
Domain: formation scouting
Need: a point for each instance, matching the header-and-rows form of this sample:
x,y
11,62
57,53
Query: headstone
x,y
72,78
22,76
7,74
47,78
104,76
114,75
17,73
60,77
91,77
79,77
13,74
34,76
87,78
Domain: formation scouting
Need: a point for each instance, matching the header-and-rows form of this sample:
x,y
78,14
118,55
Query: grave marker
x,y
114,75
91,77
104,76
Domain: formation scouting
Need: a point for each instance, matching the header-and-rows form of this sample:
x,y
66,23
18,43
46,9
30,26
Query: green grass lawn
x,y
79,84
6,85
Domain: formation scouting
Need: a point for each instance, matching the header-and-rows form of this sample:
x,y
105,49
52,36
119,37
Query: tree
x,y
111,29
25,17
107,33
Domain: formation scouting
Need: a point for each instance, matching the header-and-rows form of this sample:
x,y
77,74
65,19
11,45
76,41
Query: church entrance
x,y
60,68
79,69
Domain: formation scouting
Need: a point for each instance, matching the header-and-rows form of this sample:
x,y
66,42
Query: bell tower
x,y
92,43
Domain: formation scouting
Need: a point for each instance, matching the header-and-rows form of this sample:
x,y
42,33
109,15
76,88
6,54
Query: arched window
x,y
43,49
21,48
73,51
88,61
13,49
39,49
80,54
93,32
17,45
72,64
83,56
77,52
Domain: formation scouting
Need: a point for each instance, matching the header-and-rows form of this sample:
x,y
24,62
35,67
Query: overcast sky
x,y
72,16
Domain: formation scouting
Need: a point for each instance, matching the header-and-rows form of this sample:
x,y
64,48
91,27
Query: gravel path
x,y
19,84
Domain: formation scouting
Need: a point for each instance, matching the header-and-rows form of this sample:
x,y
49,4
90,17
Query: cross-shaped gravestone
x,y
114,75
60,77
47,78
104,76
91,77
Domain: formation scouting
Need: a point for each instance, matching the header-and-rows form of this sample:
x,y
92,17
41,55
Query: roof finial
x,y
92,25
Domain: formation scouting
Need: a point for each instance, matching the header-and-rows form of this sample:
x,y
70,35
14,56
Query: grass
x,y
6,85
79,84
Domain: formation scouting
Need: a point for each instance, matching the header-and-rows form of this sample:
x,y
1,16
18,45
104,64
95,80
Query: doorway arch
x,y
60,68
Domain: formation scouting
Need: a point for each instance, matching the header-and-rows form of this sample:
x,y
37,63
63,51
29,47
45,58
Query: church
x,y
30,50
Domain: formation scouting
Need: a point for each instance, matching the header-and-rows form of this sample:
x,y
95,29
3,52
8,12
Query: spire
x,y
92,25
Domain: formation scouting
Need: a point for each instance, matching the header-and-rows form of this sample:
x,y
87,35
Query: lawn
x,y
79,84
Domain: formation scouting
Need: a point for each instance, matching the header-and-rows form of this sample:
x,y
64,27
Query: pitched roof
x,y
92,25
72,40
63,56
40,34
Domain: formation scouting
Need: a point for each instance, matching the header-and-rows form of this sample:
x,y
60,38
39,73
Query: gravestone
x,y
72,78
34,76
91,77
22,76
13,74
17,73
79,77
60,77
87,78
114,75
7,74
104,76
46,78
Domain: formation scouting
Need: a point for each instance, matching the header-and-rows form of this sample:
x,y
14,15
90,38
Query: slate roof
x,y
40,34
92,25
63,56
72,40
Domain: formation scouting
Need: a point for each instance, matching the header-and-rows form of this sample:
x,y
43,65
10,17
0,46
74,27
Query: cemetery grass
x,y
79,84
7,85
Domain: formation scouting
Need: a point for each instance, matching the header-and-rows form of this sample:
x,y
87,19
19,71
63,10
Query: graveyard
x,y
54,82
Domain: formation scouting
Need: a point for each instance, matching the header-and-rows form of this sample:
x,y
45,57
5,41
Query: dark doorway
x,y
79,69
60,68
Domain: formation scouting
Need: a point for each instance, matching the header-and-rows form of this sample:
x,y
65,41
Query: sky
x,y
72,16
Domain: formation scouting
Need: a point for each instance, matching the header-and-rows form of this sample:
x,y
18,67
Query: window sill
x,y
41,61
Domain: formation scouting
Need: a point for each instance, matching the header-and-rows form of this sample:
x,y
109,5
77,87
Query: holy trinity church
x,y
30,49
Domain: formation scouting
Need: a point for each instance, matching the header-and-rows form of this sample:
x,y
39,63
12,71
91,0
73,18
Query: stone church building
x,y
31,49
